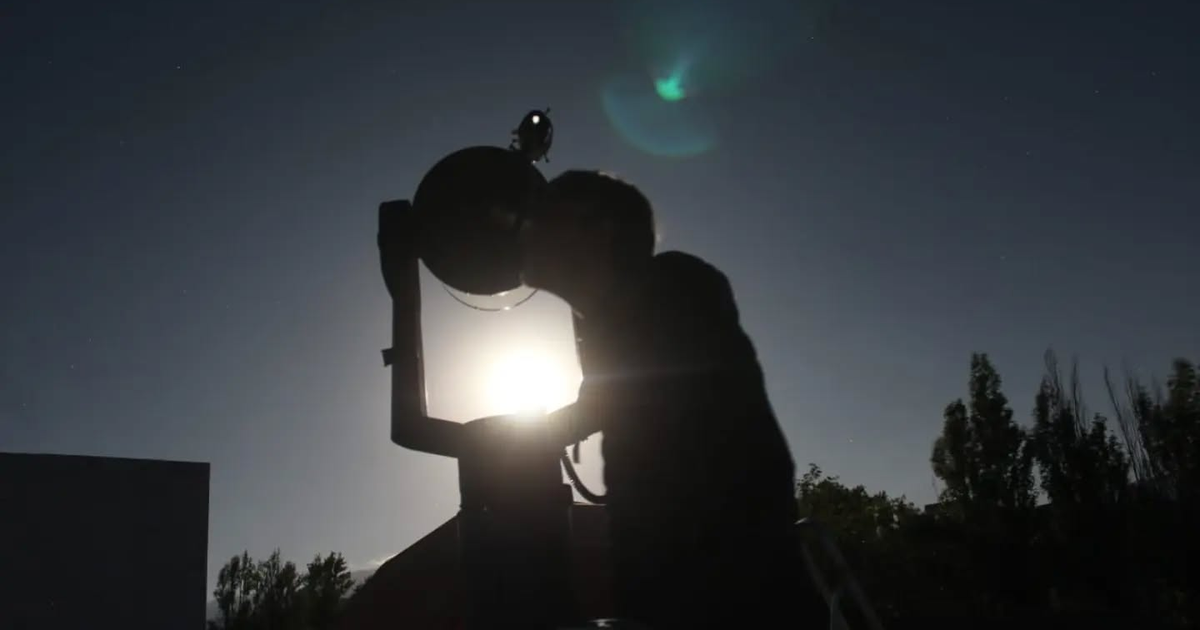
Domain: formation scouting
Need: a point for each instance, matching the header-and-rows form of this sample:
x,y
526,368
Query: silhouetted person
x,y
700,481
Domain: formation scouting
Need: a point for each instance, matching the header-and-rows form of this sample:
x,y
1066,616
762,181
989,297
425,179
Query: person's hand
x,y
560,426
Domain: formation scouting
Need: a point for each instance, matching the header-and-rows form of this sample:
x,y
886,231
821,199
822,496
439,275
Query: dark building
x,y
101,542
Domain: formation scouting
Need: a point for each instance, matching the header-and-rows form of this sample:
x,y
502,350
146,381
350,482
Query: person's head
x,y
586,231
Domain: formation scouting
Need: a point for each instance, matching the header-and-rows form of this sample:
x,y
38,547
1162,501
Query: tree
x,y
1162,433
272,595
327,581
278,599
237,592
952,460
983,457
865,527
1080,463
853,513
1176,444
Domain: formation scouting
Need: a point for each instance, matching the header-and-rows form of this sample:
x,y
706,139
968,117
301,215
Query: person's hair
x,y
606,198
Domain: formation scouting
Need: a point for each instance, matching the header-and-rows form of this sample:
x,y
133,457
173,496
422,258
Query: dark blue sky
x,y
188,199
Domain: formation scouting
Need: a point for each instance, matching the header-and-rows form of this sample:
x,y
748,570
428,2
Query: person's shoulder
x,y
676,266
688,276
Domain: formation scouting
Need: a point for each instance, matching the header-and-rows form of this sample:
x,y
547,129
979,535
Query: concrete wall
x,y
96,542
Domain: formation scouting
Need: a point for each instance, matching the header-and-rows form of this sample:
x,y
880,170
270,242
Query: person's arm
x,y
691,340
596,408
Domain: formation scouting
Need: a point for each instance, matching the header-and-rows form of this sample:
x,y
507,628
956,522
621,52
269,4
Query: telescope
x,y
514,521
514,518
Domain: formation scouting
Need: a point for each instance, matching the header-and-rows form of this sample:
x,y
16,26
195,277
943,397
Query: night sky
x,y
188,196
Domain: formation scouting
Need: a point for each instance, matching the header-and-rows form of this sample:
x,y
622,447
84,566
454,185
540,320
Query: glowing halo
x,y
655,124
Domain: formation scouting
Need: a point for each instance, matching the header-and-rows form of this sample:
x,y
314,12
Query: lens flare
x,y
691,49
670,88
664,125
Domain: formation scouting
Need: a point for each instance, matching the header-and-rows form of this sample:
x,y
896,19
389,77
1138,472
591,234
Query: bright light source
x,y
528,384
536,119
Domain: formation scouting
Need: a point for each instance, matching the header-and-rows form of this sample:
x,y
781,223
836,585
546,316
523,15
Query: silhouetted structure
x,y
513,530
513,527
425,585
102,542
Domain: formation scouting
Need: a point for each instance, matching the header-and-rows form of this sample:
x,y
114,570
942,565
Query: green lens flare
x,y
685,50
655,124
670,88
695,47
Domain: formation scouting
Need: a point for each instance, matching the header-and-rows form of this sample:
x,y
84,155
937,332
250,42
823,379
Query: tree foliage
x,y
237,592
278,607
1108,545
983,457
326,583
272,595
1081,462
1161,433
